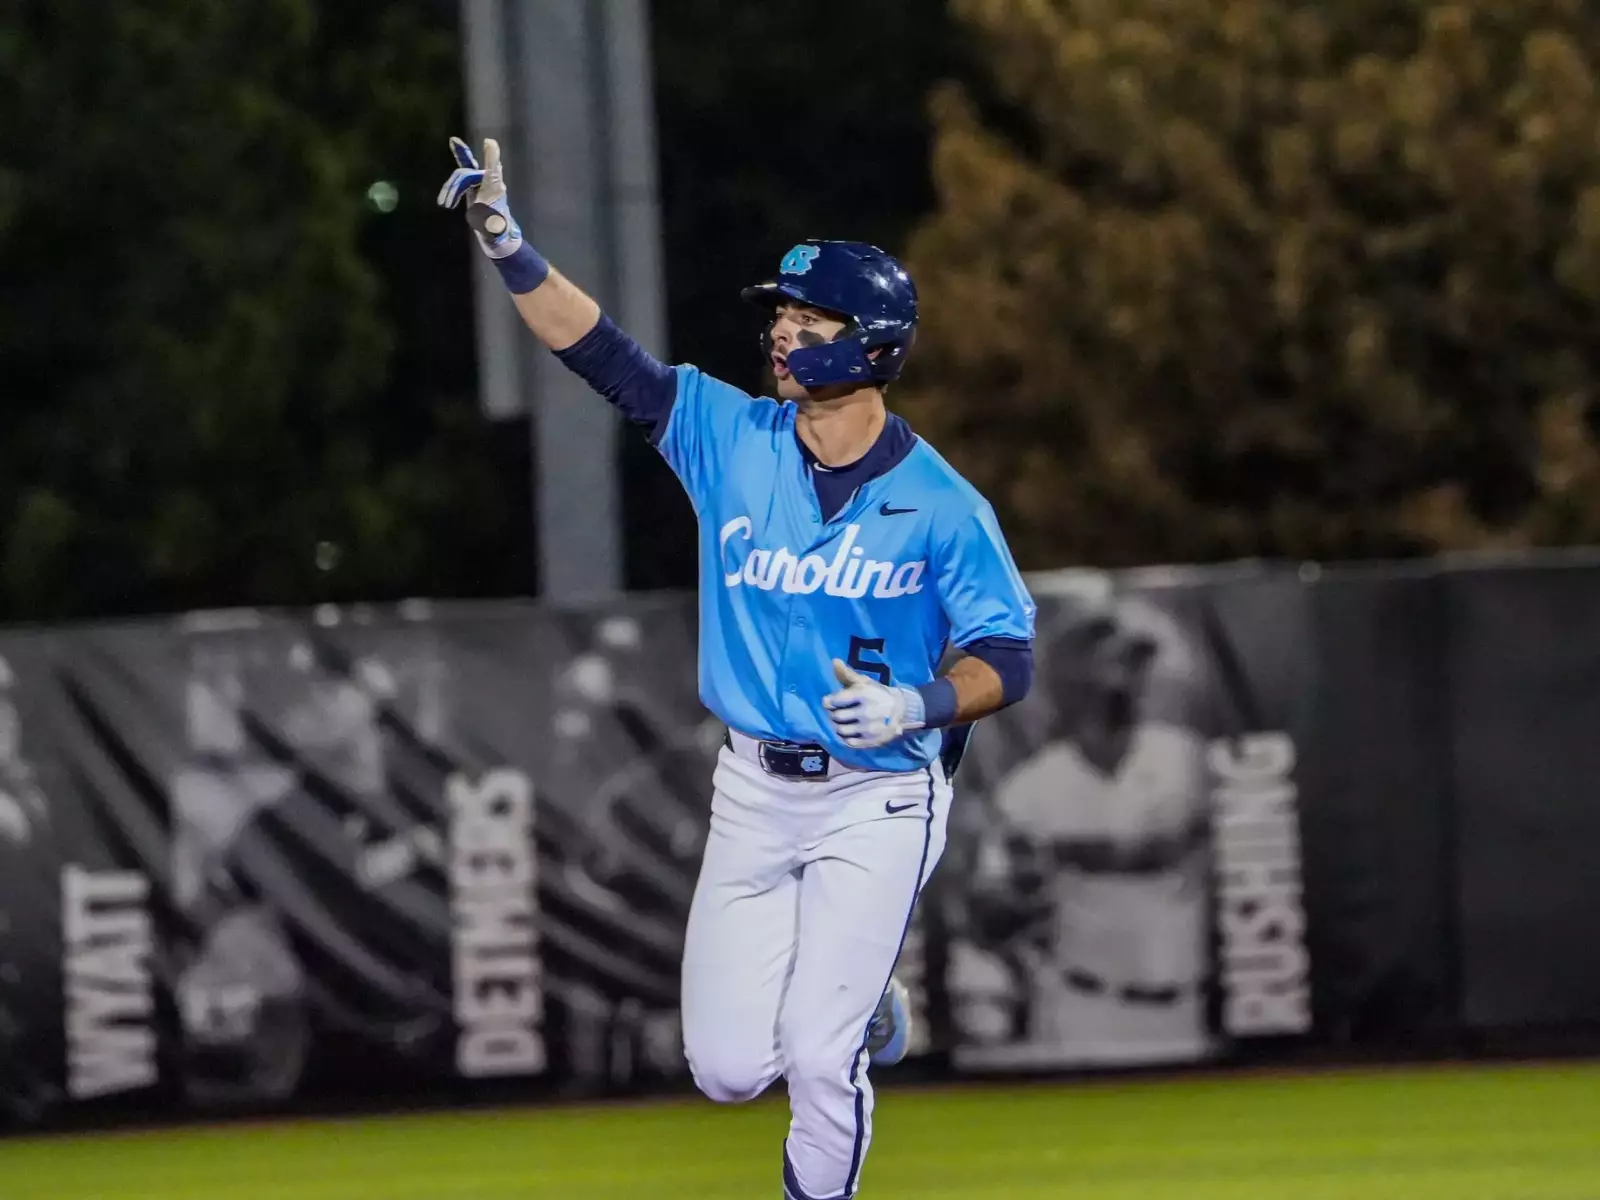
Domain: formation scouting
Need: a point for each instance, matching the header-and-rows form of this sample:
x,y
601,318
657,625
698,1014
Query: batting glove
x,y
867,714
484,189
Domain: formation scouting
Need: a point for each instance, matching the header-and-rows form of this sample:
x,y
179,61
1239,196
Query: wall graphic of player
x,y
633,747
241,991
839,557
248,1008
1089,900
29,904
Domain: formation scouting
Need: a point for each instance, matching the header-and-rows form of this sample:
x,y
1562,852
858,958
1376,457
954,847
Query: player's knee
x,y
727,1077
813,1065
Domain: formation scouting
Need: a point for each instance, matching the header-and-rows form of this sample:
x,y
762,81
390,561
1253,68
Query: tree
x,y
1215,278
199,323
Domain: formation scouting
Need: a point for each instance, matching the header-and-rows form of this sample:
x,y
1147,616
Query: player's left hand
x,y
484,190
867,714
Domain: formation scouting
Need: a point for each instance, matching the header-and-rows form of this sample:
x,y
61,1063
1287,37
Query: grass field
x,y
1524,1133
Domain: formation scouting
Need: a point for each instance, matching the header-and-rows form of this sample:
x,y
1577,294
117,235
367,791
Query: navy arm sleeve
x,y
641,386
986,600
1011,659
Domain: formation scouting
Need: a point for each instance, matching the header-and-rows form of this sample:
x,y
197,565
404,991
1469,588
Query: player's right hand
x,y
867,714
484,190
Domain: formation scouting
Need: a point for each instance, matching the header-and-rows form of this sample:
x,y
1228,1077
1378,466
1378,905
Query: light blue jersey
x,y
914,563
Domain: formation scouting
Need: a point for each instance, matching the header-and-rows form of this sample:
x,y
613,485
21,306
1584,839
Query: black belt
x,y
790,760
1130,993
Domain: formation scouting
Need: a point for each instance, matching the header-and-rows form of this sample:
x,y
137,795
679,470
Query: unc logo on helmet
x,y
798,261
861,283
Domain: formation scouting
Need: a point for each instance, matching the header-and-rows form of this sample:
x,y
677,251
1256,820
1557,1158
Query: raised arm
x,y
557,310
560,313
691,418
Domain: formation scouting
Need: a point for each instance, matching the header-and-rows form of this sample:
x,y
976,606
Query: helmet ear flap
x,y
891,357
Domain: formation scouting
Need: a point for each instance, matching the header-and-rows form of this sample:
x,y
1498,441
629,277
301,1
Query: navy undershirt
x,y
835,485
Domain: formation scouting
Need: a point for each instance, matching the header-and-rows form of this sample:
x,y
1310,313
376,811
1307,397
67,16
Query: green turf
x,y
1530,1133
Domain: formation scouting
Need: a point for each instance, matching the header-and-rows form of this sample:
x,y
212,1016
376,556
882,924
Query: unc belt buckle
x,y
789,761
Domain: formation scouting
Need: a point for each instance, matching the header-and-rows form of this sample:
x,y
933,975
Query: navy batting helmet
x,y
860,283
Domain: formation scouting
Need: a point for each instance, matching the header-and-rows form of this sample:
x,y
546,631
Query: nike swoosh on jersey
x,y
885,511
891,808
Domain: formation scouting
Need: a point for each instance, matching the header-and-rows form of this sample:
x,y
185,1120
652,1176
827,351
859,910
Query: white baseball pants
x,y
803,900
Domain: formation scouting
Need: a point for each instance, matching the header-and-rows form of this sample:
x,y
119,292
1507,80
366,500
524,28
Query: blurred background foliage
x,y
1200,279
223,378
1267,277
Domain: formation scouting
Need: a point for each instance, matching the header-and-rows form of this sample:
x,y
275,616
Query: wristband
x,y
523,270
938,703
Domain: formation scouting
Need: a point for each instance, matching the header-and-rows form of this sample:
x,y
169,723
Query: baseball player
x,y
1109,820
840,557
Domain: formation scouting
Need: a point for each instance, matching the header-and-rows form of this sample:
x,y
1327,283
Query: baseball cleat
x,y
889,1031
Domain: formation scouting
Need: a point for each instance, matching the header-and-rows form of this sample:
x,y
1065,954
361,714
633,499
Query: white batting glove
x,y
484,189
867,714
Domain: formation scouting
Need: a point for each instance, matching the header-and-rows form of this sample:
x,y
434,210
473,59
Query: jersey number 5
x,y
875,667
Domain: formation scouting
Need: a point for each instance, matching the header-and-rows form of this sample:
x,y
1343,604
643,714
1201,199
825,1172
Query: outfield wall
x,y
257,861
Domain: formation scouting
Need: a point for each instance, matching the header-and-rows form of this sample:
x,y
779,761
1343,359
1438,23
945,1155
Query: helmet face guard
x,y
863,285
843,360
